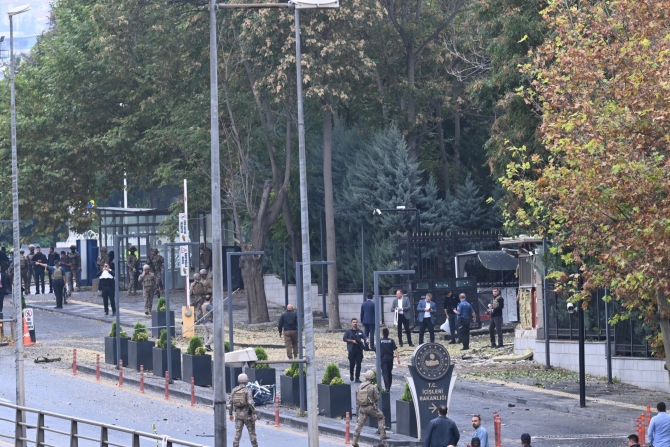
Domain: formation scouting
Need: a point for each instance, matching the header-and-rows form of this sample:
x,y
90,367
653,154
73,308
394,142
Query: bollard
x,y
497,426
347,429
192,392
276,411
141,378
121,373
648,417
74,362
641,431
97,367
167,384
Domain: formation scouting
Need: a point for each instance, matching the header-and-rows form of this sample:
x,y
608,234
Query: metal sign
x,y
28,316
183,228
183,260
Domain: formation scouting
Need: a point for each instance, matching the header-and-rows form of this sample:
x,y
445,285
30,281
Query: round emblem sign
x,y
431,361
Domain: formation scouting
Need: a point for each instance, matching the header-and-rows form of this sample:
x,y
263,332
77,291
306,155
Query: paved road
x,y
54,389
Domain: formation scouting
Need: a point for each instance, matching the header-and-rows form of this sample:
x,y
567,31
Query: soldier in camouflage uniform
x,y
156,262
76,268
205,256
103,258
132,270
29,256
148,281
197,296
26,271
209,283
245,412
369,408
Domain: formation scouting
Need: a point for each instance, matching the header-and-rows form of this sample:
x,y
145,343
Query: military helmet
x,y
154,249
146,267
196,276
242,378
31,246
21,251
73,246
369,374
103,249
11,250
203,272
132,248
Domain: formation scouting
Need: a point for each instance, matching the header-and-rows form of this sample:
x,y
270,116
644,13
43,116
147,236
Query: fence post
x,y
120,372
648,416
19,428
74,439
39,436
276,411
74,361
167,385
136,440
97,367
347,428
192,392
141,378
103,437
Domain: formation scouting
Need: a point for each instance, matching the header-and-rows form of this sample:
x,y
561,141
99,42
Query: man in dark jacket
x,y
525,440
52,260
288,323
368,319
495,310
106,286
355,339
450,303
38,270
442,431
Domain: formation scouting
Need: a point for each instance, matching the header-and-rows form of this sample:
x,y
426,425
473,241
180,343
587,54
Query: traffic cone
x,y
26,335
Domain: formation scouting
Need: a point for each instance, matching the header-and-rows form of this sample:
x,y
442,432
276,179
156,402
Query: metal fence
x,y
629,338
28,426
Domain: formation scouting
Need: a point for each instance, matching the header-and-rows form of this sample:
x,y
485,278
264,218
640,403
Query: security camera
x,y
376,212
571,308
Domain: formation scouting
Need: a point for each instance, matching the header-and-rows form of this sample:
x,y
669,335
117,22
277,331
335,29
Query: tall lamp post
x,y
16,291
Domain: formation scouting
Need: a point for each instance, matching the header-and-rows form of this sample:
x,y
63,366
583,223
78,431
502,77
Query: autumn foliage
x,y
602,86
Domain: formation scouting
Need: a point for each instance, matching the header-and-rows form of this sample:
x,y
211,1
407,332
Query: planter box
x,y
139,353
289,388
405,416
386,409
335,400
160,362
264,376
231,373
199,367
157,320
110,350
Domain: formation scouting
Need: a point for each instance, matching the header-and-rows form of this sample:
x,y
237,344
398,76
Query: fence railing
x,y
629,338
29,426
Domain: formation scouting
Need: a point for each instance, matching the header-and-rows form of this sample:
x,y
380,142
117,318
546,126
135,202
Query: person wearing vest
x,y
366,400
148,281
30,265
26,271
58,281
156,265
242,403
106,286
197,296
75,257
132,270
208,322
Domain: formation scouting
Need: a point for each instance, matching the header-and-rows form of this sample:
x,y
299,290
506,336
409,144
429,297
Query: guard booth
x,y
439,288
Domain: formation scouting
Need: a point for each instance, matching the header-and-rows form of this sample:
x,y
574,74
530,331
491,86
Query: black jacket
x,y
497,312
359,336
441,431
52,258
41,258
106,283
450,303
288,321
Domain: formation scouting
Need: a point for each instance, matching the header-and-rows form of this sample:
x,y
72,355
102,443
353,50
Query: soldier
x,y
197,296
242,401
29,256
148,281
132,270
156,262
25,271
205,256
367,398
75,257
102,259
11,265
209,283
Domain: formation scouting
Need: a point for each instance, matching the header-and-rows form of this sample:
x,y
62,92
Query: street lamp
x,y
16,291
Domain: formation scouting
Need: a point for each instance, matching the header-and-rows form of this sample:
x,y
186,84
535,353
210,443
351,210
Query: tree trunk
x,y
252,275
333,297
293,232
457,148
443,151
664,323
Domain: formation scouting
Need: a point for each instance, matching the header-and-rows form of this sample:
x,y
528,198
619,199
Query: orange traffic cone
x,y
26,335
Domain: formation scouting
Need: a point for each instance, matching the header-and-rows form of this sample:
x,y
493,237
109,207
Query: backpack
x,y
240,397
364,396
495,303
198,288
58,274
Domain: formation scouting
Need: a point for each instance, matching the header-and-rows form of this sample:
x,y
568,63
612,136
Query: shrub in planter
x,y
197,363
263,374
160,357
406,414
110,346
289,385
158,319
139,349
334,395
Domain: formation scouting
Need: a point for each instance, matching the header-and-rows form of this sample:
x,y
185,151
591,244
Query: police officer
x,y
355,339
75,257
366,399
148,281
131,262
388,351
197,296
242,401
156,264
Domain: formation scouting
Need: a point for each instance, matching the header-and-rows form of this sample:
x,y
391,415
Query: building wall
x,y
645,373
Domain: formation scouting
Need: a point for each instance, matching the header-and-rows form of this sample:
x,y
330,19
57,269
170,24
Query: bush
x,y
261,355
226,346
407,394
161,306
200,351
162,341
336,381
140,332
112,333
193,344
374,379
332,372
294,370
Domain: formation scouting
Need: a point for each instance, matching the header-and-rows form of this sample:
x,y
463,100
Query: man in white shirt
x,y
401,304
425,310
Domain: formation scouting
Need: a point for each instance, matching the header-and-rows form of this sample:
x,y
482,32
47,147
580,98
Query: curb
x,y
330,429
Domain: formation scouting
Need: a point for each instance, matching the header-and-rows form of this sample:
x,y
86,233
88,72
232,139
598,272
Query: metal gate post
x,y
19,429
74,439
103,437
39,436
136,438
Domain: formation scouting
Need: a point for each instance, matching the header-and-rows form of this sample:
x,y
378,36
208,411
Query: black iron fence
x,y
629,338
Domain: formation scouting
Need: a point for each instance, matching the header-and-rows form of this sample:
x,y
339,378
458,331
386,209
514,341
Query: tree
x,y
602,193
